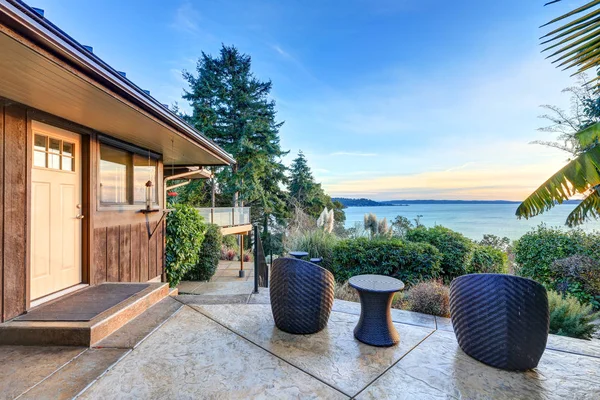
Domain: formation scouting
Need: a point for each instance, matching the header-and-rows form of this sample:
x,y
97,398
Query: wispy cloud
x,y
187,18
353,154
465,165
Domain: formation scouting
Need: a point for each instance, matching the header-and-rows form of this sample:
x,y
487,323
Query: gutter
x,y
64,45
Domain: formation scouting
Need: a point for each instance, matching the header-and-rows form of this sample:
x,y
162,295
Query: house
x,y
79,144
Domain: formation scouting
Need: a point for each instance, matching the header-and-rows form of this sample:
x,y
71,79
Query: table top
x,y
298,253
376,283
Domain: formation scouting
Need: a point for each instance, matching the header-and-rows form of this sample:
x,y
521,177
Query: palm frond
x,y
576,44
588,136
578,176
588,208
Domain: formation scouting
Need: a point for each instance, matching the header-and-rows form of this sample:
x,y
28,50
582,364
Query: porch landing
x,y
85,317
234,351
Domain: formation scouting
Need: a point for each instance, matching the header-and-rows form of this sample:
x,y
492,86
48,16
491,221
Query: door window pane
x,y
39,159
40,142
114,166
67,164
54,146
53,161
68,149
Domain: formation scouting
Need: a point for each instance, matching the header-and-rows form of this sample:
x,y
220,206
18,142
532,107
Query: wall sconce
x,y
148,195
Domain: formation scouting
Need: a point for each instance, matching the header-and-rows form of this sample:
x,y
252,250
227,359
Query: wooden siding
x,y
13,210
116,244
125,253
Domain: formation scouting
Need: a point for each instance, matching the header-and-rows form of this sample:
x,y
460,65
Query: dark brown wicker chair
x,y
500,320
301,295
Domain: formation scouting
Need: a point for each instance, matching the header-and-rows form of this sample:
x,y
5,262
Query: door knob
x,y
80,216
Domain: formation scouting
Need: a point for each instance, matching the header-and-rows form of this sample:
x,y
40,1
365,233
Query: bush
x,y
565,261
185,233
317,243
429,298
580,276
228,254
568,317
537,250
230,241
487,259
343,291
410,262
455,248
209,255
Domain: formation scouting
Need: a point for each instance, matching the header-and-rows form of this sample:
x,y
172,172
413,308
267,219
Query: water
x,y
472,220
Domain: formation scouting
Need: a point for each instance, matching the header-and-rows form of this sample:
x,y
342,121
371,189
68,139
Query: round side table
x,y
376,293
298,254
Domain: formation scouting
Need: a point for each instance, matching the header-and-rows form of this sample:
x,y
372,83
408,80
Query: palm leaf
x,y
576,44
578,176
589,207
589,136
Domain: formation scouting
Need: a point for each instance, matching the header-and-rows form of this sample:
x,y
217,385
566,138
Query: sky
x,y
388,99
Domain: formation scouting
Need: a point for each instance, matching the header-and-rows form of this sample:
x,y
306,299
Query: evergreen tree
x,y
232,107
302,186
308,194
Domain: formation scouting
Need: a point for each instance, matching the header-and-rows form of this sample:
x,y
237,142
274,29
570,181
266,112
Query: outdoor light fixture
x,y
148,195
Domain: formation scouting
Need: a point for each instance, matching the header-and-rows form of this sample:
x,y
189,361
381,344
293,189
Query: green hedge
x,y
409,262
487,259
209,255
540,253
456,249
185,233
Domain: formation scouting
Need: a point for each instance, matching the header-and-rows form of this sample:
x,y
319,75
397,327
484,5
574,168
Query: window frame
x,y
132,151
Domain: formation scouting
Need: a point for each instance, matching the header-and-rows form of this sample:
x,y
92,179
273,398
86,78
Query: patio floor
x,y
191,348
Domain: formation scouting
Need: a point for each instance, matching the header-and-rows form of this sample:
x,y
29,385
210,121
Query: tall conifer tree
x,y
233,108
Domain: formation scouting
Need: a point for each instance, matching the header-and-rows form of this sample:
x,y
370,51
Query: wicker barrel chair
x,y
301,295
500,320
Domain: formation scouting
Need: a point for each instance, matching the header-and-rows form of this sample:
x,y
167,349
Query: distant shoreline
x,y
347,202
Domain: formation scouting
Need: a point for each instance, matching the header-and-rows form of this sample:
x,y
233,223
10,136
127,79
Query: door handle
x,y
80,216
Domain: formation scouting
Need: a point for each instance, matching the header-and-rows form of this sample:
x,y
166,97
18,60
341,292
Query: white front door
x,y
55,210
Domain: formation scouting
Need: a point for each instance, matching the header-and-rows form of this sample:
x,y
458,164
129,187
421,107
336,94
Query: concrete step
x,y
78,333
134,332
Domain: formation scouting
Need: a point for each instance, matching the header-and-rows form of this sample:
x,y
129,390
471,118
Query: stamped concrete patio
x,y
189,347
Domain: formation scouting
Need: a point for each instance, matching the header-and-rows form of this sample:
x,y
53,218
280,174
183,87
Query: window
x,y
123,176
53,153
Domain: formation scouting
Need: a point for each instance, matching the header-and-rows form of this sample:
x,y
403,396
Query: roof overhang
x,y
44,68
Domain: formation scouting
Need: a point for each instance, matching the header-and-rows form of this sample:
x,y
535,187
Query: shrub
x,y
247,257
578,275
538,249
410,262
317,243
228,254
344,291
185,233
209,255
568,317
230,241
487,259
431,297
455,248
565,261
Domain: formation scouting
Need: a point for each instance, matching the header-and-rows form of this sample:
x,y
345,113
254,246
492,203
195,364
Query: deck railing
x,y
226,216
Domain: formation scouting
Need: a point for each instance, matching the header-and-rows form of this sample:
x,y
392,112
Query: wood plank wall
x,y
124,253
13,210
116,247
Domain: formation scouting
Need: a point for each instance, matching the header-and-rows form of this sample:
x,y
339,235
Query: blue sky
x,y
389,99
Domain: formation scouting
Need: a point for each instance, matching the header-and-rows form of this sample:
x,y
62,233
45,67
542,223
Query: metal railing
x,y
226,216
